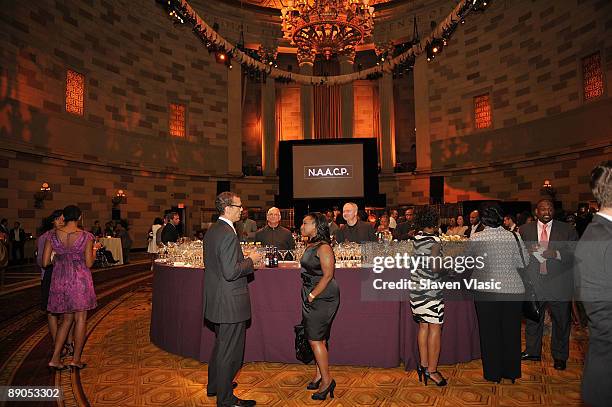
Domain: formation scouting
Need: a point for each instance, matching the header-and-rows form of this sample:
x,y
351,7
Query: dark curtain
x,y
327,103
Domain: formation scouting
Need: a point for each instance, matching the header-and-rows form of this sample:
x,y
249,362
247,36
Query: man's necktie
x,y
544,244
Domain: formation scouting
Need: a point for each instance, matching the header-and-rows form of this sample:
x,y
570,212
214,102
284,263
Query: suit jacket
x,y
169,234
479,228
594,286
404,231
558,283
22,235
226,293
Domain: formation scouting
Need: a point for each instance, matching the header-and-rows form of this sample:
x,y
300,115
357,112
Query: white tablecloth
x,y
113,244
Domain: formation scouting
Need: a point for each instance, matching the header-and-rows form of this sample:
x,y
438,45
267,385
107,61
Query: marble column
x,y
268,127
234,120
387,123
421,115
306,103
348,98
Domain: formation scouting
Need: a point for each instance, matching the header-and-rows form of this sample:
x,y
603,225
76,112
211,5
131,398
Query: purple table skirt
x,y
364,333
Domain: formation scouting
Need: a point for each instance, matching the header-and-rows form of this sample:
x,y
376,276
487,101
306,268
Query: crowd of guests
x,y
561,261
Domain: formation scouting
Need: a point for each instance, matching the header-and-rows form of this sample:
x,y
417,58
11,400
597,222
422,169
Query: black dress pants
x,y
561,314
499,320
226,361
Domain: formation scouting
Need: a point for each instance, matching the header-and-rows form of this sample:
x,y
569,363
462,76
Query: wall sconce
x,y
118,199
41,195
548,190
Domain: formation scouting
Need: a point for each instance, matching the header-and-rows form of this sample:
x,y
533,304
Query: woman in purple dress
x,y
49,225
71,292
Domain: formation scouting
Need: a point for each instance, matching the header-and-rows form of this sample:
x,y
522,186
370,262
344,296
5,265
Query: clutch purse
x,y
303,351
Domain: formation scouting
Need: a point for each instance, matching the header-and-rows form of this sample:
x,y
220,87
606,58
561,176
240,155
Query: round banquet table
x,y
364,333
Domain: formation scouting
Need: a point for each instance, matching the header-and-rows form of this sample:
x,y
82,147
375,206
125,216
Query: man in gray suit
x,y
551,248
226,299
594,288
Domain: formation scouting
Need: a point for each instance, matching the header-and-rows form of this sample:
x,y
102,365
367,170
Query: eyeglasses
x,y
236,206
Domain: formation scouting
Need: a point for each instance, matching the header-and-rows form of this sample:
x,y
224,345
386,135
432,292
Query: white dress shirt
x,y
229,222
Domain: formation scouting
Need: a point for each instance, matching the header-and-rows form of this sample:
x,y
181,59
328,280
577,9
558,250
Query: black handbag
x,y
303,351
532,308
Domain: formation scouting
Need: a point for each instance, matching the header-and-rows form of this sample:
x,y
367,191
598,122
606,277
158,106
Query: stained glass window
x,y
177,120
482,111
592,76
75,89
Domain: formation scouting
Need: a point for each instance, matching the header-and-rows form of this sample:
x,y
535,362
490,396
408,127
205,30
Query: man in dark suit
x,y
18,238
170,232
551,248
406,229
475,224
226,299
594,288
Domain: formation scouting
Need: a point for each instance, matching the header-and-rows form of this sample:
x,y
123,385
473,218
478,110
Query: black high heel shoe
x,y
322,395
314,385
421,371
441,383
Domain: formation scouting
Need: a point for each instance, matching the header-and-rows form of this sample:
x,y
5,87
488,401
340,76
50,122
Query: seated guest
x,y
245,227
406,229
384,225
510,223
475,225
338,216
354,230
331,224
373,220
109,229
273,234
96,230
393,215
459,228
170,232
383,230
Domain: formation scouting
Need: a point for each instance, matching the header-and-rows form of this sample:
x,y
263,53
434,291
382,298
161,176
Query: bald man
x,y
354,230
475,225
273,234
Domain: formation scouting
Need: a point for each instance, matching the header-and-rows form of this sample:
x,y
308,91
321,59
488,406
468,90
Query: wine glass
x,y
283,254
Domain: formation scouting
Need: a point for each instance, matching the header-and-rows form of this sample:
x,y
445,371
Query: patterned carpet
x,y
125,369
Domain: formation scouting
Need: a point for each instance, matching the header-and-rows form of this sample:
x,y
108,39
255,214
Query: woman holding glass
x,y
321,298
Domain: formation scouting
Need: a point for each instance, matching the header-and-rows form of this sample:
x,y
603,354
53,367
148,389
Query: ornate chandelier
x,y
327,27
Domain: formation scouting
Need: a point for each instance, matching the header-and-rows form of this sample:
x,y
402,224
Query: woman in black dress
x,y
320,297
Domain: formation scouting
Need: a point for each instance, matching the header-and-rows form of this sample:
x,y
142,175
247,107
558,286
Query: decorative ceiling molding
x,y
279,4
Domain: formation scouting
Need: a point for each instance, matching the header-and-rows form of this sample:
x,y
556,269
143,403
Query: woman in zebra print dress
x,y
427,305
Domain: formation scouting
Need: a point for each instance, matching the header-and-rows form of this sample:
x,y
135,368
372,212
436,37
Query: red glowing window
x,y
592,76
177,120
482,111
75,89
